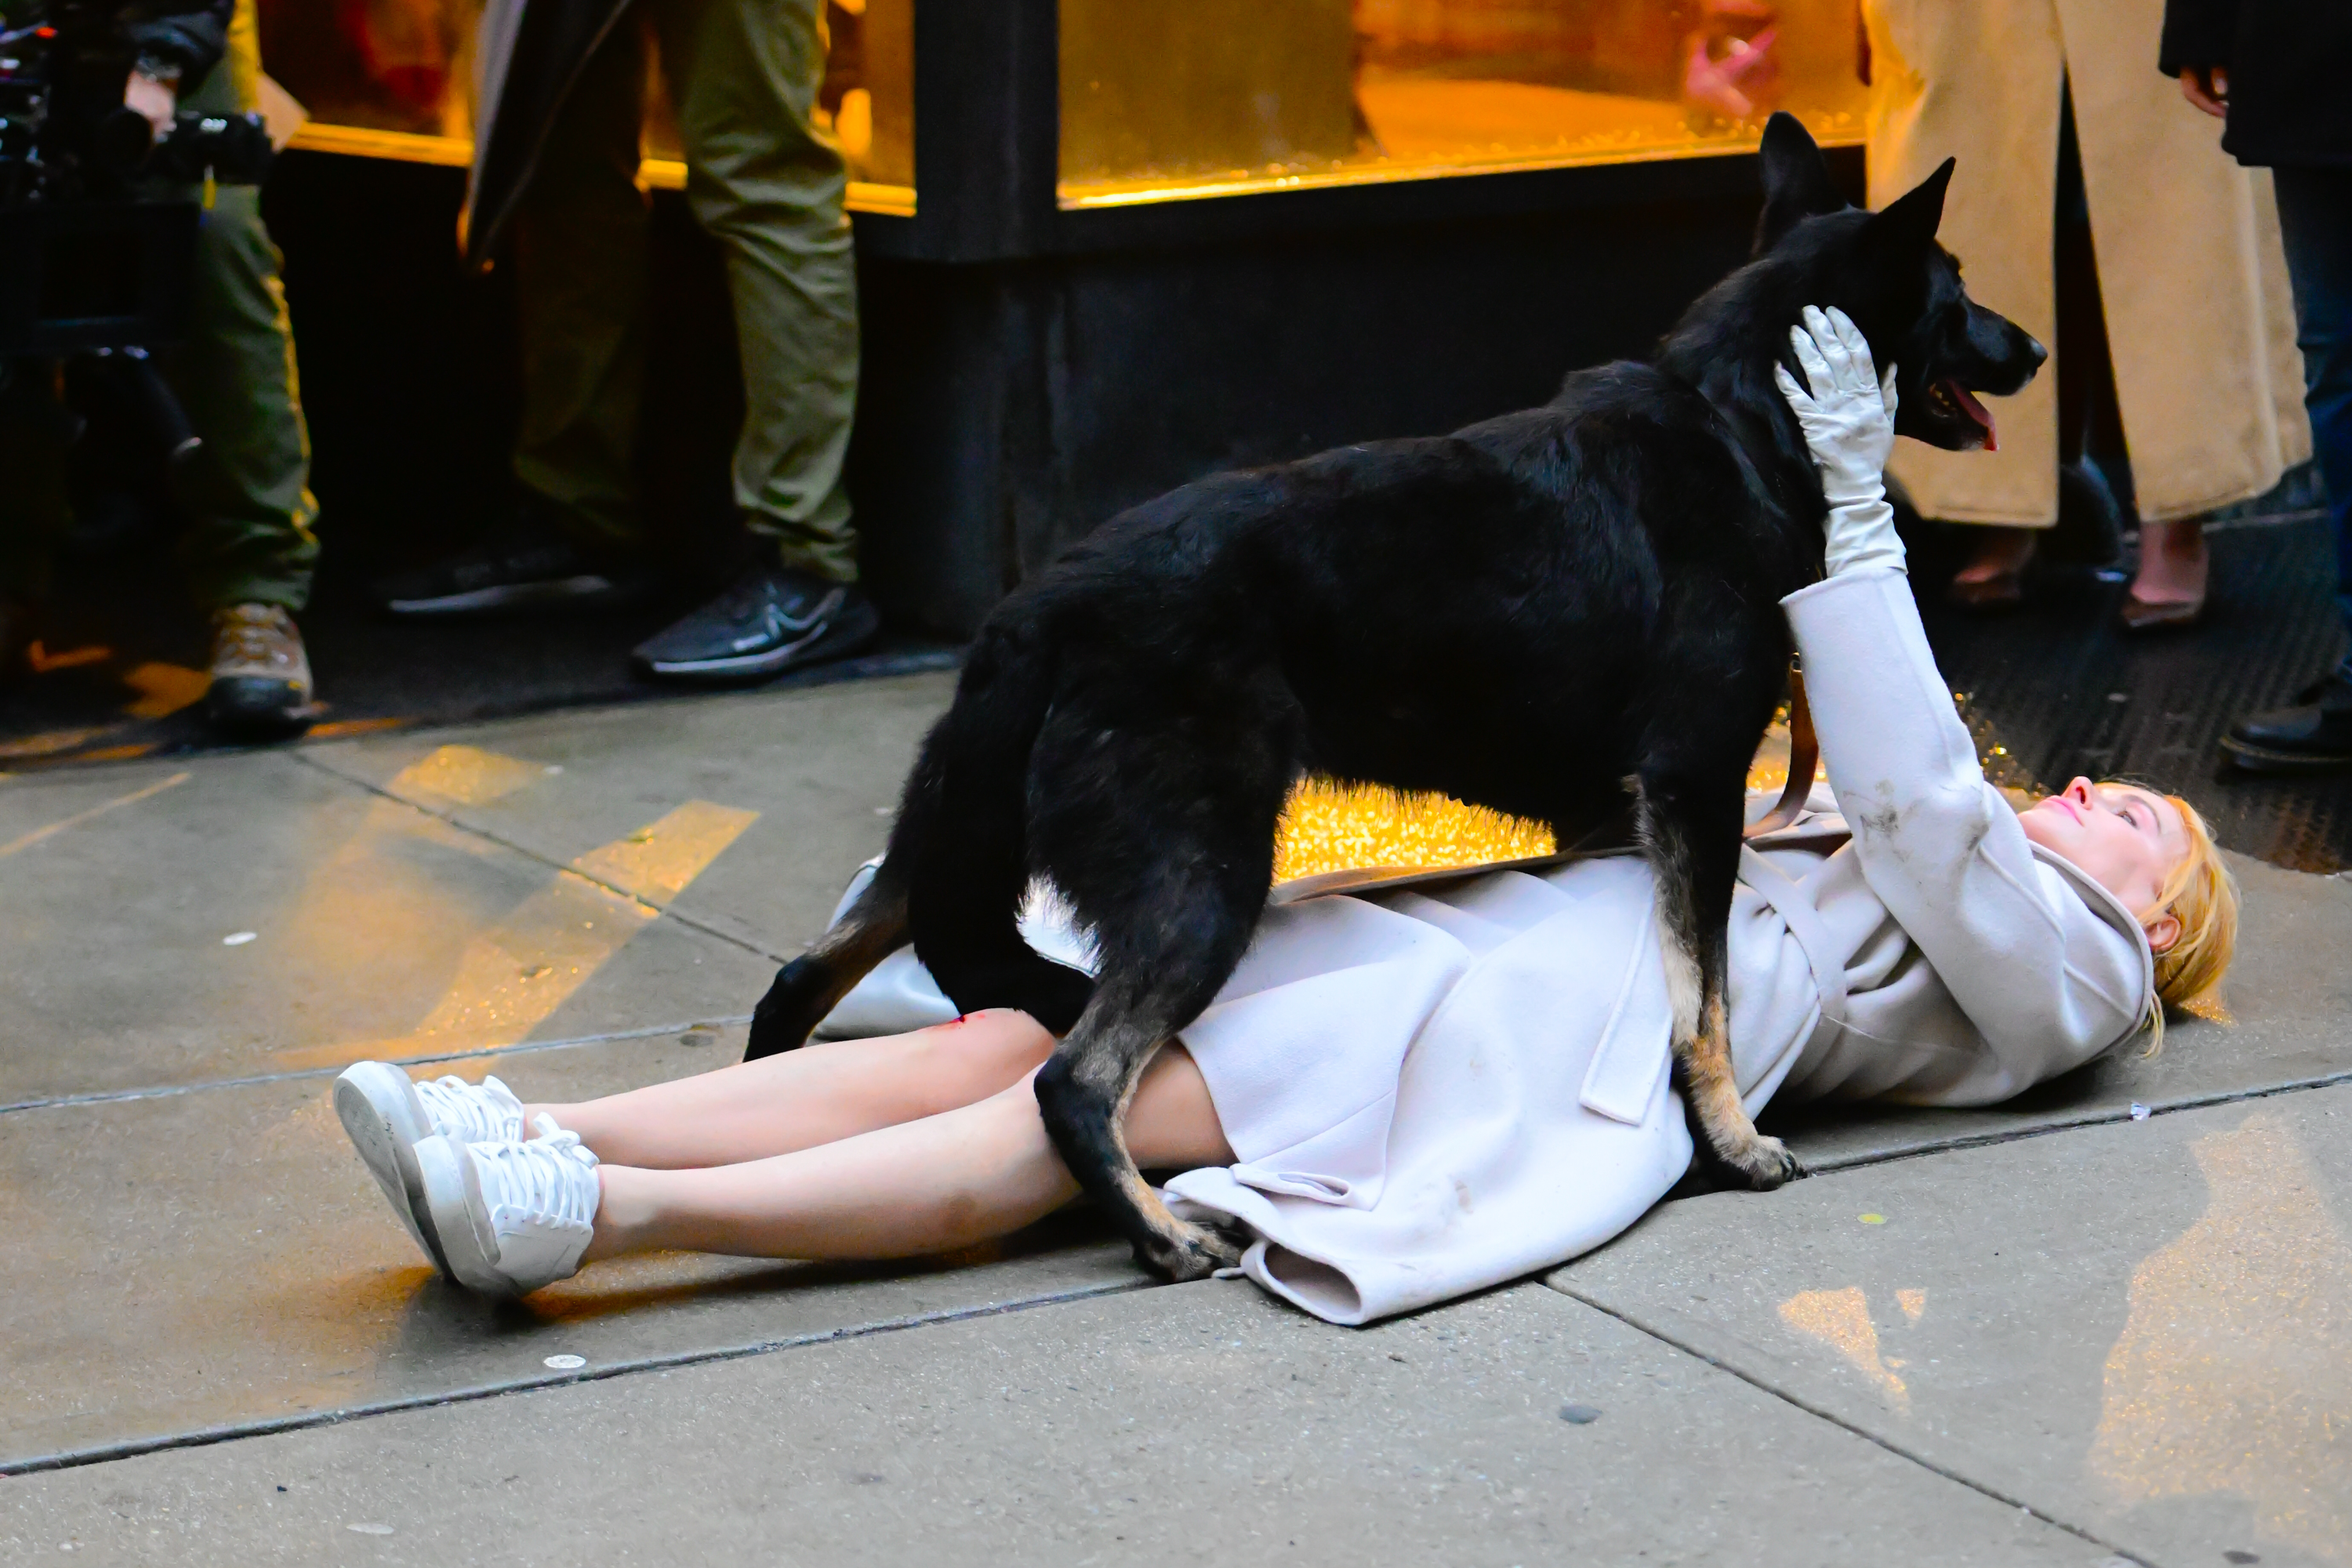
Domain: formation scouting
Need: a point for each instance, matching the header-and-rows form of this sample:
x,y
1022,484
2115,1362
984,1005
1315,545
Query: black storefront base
x,y
1010,404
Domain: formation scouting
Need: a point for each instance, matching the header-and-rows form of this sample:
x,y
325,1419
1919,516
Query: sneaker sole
x,y
2256,759
453,1197
834,639
589,588
374,1102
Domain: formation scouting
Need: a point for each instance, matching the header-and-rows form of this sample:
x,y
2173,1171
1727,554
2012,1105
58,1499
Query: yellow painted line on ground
x,y
26,840
510,979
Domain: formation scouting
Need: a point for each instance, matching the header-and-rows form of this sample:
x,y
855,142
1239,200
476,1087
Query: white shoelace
x,y
540,1179
487,1112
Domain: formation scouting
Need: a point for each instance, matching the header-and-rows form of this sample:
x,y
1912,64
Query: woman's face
x,y
2125,839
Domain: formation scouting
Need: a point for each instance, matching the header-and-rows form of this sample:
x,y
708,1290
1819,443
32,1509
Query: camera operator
x,y
243,493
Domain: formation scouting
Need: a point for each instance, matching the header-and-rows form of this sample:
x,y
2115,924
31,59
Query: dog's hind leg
x,y
812,984
1162,840
1692,840
1083,1093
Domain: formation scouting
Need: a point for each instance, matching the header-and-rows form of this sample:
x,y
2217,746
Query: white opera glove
x,y
1848,418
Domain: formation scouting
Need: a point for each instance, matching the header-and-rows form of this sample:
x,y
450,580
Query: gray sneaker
x,y
261,673
771,621
524,565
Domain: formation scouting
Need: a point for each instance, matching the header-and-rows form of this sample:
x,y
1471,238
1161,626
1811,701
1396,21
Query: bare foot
x,y
2004,552
2173,564
1995,577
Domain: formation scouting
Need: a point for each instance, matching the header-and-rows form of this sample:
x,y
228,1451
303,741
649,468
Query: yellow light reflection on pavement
x,y
657,862
465,774
509,978
163,689
2233,1373
1841,1320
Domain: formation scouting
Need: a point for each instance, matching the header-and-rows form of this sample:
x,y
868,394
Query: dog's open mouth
x,y
1950,398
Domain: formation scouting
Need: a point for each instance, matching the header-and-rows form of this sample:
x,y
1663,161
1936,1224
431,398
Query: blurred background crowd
x,y
2161,193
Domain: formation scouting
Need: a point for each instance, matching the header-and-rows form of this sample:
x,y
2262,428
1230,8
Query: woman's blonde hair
x,y
2203,894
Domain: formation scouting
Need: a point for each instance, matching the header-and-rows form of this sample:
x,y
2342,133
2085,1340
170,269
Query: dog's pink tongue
x,y
1974,410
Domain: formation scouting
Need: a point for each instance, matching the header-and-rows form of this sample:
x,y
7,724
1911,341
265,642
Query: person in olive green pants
x,y
768,185
248,549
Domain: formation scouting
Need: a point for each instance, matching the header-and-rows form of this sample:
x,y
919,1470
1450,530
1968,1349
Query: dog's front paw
x,y
1188,1252
1763,1162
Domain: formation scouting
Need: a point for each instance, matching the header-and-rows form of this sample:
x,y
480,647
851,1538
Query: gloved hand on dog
x,y
1849,424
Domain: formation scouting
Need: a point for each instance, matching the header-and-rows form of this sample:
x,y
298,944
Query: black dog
x,y
1541,613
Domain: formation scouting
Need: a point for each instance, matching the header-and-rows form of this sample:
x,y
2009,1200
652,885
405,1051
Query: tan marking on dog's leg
x,y
1714,1092
1177,1249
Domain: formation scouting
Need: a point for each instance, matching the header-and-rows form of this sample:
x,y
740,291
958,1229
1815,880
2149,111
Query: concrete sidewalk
x,y
2050,1332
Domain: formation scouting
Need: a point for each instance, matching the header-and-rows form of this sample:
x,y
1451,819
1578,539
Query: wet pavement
x,y
2048,1333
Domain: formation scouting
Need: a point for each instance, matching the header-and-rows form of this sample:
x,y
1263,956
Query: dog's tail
x,y
957,869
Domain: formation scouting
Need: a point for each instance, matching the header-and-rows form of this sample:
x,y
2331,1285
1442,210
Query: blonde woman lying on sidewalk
x,y
1412,1091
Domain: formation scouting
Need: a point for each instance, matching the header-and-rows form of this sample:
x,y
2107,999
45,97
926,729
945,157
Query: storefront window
x,y
1167,99
396,79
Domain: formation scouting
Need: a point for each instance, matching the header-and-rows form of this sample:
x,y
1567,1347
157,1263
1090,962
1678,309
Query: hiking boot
x,y
511,1216
771,620
525,565
2312,736
261,674
387,1114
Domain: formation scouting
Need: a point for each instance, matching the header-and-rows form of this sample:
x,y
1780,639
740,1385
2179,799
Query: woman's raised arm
x,y
2048,980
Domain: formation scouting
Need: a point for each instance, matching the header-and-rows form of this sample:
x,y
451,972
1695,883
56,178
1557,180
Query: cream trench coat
x,y
2201,323
1440,1082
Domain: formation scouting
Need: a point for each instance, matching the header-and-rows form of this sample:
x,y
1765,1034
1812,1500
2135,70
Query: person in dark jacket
x,y
2279,72
248,549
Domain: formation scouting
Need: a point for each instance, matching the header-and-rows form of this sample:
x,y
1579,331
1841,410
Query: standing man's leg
x,y
2316,221
581,251
34,514
249,550
769,186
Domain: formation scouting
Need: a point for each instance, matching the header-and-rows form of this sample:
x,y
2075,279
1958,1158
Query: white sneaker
x,y
511,1216
387,1114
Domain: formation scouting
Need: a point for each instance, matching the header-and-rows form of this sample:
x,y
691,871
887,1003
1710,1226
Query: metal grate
x,y
2063,690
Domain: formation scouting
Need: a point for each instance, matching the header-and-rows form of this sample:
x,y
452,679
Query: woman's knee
x,y
982,1053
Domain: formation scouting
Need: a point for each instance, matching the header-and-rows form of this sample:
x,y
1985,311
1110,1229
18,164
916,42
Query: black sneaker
x,y
523,565
771,620
2314,735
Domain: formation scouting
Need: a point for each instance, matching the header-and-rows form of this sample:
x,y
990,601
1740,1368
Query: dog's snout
x,y
2035,353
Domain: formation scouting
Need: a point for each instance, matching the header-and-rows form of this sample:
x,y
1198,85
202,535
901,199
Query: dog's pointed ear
x,y
1909,222
1796,182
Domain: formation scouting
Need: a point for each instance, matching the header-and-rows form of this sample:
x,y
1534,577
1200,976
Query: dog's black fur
x,y
1537,614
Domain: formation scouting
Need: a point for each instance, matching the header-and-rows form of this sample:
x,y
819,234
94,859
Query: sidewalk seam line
x,y
1840,1422
2072,1123
166,1091
208,1436
669,910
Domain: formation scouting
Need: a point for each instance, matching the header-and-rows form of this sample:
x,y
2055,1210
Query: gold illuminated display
x,y
1327,826
1163,100
1337,827
395,79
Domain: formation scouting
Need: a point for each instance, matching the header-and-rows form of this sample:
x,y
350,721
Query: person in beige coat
x,y
1433,1083
2199,318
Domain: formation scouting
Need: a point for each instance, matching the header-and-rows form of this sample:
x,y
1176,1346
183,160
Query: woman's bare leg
x,y
944,1182
799,1100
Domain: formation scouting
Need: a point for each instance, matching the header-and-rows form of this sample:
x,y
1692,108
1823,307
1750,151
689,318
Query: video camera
x,y
95,247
